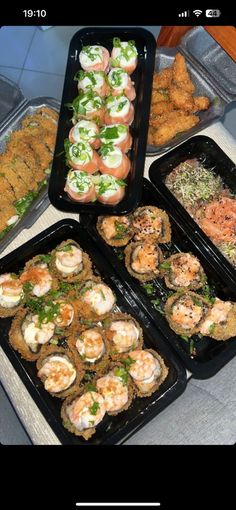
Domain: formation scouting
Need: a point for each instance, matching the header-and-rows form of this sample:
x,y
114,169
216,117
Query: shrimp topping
x,y
147,223
65,315
11,291
124,334
217,315
185,270
187,313
90,345
100,298
39,277
145,368
36,334
59,372
145,259
69,259
87,411
114,392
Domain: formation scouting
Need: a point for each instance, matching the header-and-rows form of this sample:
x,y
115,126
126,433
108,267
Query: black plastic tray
x,y
112,429
211,355
204,149
146,46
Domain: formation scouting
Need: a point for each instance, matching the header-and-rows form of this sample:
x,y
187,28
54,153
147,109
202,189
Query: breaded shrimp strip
x,y
162,79
158,96
200,103
171,127
181,99
162,107
155,122
181,76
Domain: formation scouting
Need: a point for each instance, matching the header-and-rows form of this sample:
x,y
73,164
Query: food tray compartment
x,y
113,428
206,150
142,77
41,202
211,355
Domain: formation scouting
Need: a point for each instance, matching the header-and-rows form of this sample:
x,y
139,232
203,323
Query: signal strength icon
x,y
184,14
197,13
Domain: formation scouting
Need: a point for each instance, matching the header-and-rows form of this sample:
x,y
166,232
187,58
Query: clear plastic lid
x,y
10,97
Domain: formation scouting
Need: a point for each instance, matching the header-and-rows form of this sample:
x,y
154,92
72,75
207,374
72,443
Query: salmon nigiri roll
x,y
94,58
114,162
92,80
124,55
109,190
85,131
118,109
80,186
89,106
81,156
118,135
120,82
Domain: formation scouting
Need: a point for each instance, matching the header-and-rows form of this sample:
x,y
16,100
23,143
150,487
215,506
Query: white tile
x,y
35,84
14,44
49,49
11,73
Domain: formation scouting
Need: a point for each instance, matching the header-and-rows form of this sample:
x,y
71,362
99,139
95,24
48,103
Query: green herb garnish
x,y
165,265
94,408
122,373
148,287
128,362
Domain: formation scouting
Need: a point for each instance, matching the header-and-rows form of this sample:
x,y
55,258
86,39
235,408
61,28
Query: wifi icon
x,y
197,13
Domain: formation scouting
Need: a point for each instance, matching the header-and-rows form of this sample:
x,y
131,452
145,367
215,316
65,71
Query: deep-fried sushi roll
x,y
69,262
183,271
93,80
82,412
124,54
151,223
91,346
115,230
36,277
80,186
118,109
109,190
123,333
65,316
143,260
114,162
11,294
81,156
116,389
89,106
120,83
95,300
59,370
118,135
94,58
185,312
85,131
220,322
147,370
28,334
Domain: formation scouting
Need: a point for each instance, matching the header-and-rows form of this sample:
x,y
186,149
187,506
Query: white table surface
x,y
204,414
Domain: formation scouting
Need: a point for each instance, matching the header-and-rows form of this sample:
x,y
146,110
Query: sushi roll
x,y
118,110
115,230
183,271
82,412
80,186
114,162
147,370
91,345
36,277
123,333
92,80
124,54
88,106
65,317
94,58
11,294
95,300
85,131
116,389
28,333
81,156
70,263
185,312
117,135
143,260
151,223
59,370
120,82
109,190
220,322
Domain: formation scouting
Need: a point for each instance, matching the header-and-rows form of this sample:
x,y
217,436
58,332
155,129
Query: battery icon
x,y
213,13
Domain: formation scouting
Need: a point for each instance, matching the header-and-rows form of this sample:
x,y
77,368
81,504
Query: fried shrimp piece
x,y
5,187
158,120
181,76
200,103
159,95
162,107
171,127
162,79
182,100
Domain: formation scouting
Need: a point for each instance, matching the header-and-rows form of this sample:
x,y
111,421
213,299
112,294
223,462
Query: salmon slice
x,y
123,119
90,167
120,172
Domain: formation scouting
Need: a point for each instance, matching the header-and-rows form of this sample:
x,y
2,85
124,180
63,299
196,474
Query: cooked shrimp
x,y
70,260
100,298
114,392
124,335
90,345
59,372
11,291
87,411
66,314
146,367
40,277
36,334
